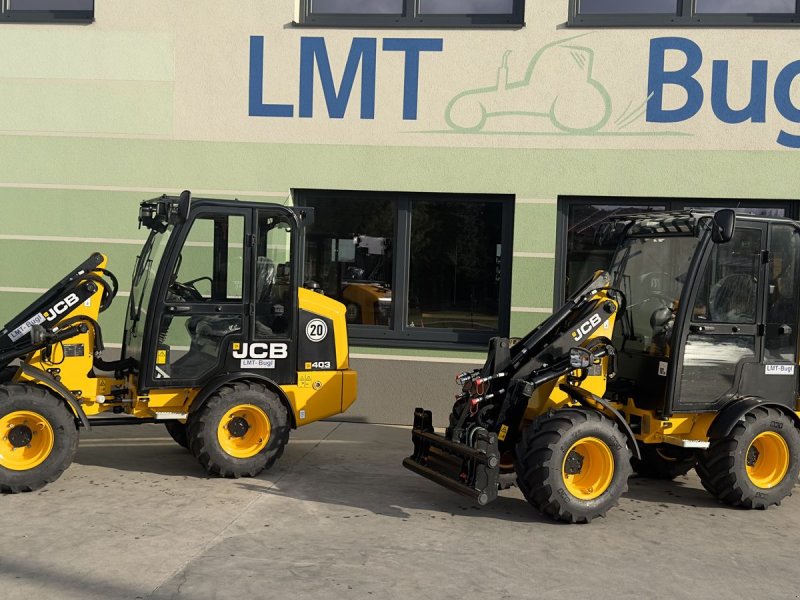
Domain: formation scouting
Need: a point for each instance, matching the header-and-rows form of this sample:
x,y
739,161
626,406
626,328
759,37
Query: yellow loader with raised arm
x,y
221,344
684,355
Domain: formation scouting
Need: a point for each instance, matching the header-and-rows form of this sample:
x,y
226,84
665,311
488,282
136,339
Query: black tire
x,y
723,468
541,456
6,374
203,427
33,399
177,432
663,461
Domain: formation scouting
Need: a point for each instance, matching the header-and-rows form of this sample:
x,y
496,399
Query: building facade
x,y
460,155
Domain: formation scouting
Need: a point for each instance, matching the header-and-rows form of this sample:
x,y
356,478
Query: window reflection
x,y
468,7
610,7
349,255
746,6
373,7
455,264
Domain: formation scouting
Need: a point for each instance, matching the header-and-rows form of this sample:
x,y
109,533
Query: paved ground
x,y
136,518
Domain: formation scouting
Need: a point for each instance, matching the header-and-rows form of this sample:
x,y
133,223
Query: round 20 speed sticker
x,y
316,330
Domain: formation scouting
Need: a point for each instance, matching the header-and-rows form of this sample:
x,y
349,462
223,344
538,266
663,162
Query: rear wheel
x,y
757,464
38,440
573,465
663,461
240,431
177,432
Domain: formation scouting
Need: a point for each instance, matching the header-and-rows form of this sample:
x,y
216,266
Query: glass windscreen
x,y
651,272
144,274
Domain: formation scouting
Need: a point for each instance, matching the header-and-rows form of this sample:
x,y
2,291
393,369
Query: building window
x,y
52,11
416,269
587,240
614,13
413,13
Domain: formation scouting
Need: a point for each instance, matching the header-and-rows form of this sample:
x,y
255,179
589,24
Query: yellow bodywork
x,y
316,394
675,430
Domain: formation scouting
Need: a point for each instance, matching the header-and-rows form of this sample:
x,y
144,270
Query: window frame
x,y
686,16
411,17
791,208
399,334
45,16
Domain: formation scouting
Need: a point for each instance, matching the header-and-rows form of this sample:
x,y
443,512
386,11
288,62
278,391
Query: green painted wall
x,y
119,164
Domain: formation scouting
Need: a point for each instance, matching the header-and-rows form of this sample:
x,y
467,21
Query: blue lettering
x,y
412,47
756,110
683,77
257,106
783,101
362,52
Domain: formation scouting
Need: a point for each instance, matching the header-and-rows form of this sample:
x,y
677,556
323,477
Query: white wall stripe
x,y
537,201
429,359
534,255
40,291
61,238
526,309
144,190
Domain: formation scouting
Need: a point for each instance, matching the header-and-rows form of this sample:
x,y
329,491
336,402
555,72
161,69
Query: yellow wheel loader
x,y
683,356
228,355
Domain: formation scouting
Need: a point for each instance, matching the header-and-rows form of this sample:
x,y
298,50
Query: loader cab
x,y
711,312
214,290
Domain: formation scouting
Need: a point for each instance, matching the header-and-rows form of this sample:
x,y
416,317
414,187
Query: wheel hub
x,y
574,463
238,427
20,436
752,456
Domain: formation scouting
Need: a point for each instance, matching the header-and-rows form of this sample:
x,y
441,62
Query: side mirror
x,y
722,226
184,204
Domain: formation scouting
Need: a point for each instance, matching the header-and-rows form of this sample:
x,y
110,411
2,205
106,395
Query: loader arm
x,y
518,380
67,310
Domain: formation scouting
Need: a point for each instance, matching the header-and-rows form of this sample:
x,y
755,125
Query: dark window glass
x,y
416,268
728,290
591,241
274,294
349,255
211,263
51,5
746,6
412,13
460,7
710,363
370,7
781,331
612,7
455,264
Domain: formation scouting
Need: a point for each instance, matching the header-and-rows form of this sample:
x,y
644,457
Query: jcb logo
x,y
60,307
586,327
260,350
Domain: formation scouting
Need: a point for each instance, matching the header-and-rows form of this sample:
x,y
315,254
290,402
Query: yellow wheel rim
x,y
767,460
244,431
588,468
27,440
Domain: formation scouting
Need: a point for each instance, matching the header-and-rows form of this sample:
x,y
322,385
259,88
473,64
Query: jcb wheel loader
x,y
683,356
220,343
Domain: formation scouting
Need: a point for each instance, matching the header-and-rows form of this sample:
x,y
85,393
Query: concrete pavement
x,y
338,517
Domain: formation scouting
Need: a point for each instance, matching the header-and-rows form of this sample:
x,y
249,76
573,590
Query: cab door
x,y
201,305
722,341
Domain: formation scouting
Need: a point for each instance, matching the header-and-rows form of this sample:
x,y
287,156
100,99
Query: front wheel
x,y
757,464
573,465
39,438
240,431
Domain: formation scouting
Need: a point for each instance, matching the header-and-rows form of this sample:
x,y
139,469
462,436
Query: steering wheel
x,y
187,291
